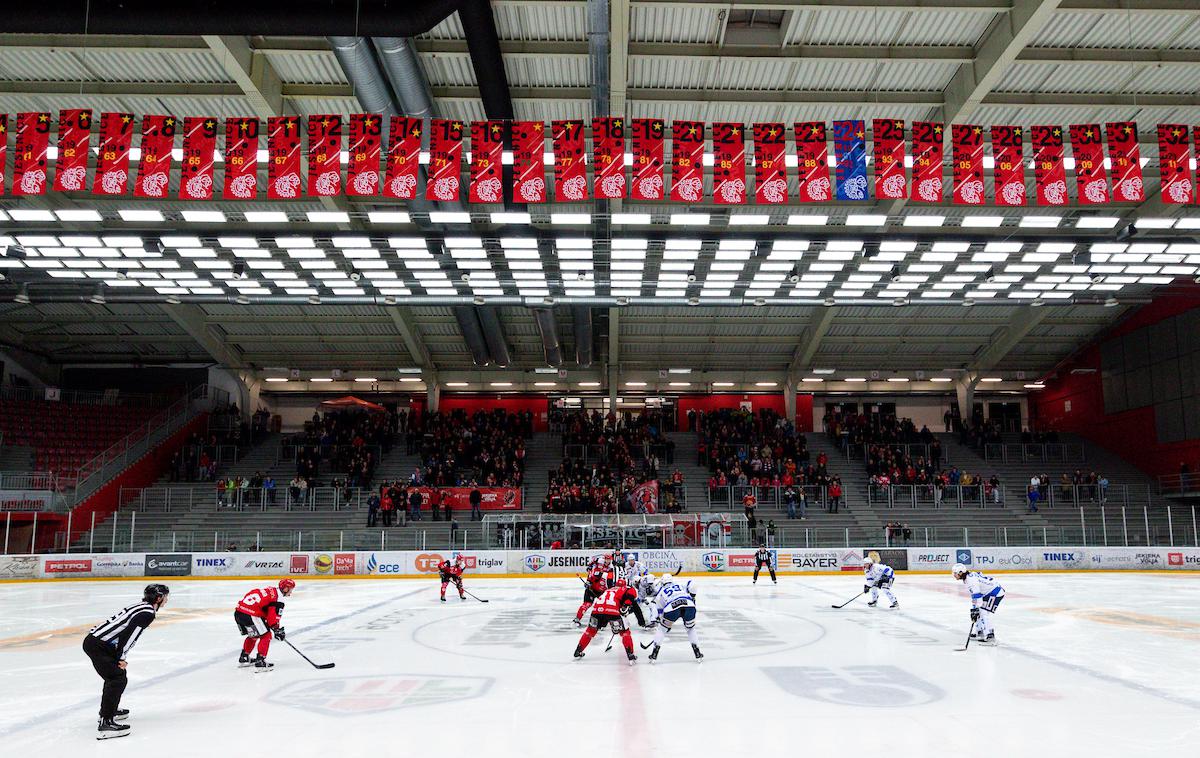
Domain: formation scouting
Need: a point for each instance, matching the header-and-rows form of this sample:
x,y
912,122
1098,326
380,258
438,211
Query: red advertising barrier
x,y
459,498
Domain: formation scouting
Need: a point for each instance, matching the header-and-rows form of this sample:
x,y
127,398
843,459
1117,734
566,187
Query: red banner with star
x,y
928,149
1008,171
648,159
729,163
529,161
570,171
1087,148
112,159
608,163
1049,172
1125,155
687,161
812,159
74,130
3,149
1174,159
199,144
283,157
30,163
966,140
404,158
770,166
241,159
487,148
324,155
445,160
888,140
154,164
366,140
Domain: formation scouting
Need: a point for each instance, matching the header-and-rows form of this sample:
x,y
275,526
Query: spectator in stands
x,y
221,495
1033,495
453,530
372,510
388,507
1102,484
268,485
476,500
255,488
435,503
835,494
908,533
749,503
995,489
414,504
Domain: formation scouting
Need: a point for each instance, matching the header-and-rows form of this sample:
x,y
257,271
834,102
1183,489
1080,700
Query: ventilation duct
x,y
582,316
472,332
548,327
493,336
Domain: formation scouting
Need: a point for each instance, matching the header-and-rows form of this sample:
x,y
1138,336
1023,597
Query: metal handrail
x,y
84,397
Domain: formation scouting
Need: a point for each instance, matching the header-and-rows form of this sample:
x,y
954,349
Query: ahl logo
x,y
713,561
362,695
535,562
963,557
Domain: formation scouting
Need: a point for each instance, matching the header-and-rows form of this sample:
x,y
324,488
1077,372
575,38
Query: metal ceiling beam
x,y
166,89
253,73
1019,326
818,327
981,6
403,320
191,319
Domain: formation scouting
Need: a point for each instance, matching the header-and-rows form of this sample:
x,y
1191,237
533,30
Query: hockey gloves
x,y
279,633
974,614
866,588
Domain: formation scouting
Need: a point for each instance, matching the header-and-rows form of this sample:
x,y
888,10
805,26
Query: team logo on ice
x,y
360,695
870,686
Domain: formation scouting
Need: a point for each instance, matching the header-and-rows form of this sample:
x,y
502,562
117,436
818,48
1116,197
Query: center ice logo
x,y
860,686
360,695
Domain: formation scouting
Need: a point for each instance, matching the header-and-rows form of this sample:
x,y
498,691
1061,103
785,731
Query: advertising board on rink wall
x,y
385,563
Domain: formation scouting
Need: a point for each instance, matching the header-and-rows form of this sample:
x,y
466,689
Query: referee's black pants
x,y
104,660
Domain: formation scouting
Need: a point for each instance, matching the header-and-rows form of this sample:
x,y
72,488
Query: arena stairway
x,y
543,454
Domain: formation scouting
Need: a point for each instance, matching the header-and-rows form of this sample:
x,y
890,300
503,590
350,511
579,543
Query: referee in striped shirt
x,y
108,643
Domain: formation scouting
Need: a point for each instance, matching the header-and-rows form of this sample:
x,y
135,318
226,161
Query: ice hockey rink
x,y
1087,665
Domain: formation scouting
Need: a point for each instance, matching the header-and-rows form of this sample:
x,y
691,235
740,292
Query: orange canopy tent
x,y
350,403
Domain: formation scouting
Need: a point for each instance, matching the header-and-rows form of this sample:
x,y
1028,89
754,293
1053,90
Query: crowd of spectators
x,y
201,455
1075,487
347,442
483,449
746,449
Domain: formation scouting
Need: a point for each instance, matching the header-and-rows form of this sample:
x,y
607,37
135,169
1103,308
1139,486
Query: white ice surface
x,y
1088,665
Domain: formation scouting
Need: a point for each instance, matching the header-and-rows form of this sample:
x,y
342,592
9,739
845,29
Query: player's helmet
x,y
620,583
867,561
286,586
665,578
959,570
153,592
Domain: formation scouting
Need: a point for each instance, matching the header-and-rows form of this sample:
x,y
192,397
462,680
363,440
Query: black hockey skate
x,y
632,658
577,622
122,714
443,598
895,604
699,655
244,661
990,639
109,728
654,654
262,666
872,603
578,653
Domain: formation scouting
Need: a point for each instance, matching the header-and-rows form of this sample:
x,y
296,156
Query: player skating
x,y
594,586
108,643
763,558
452,572
986,594
257,618
878,576
673,602
610,608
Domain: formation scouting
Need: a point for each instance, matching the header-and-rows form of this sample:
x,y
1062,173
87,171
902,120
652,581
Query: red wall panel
x,y
704,403
539,405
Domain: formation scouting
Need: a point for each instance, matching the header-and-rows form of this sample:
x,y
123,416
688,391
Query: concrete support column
x,y
964,388
614,377
789,400
433,394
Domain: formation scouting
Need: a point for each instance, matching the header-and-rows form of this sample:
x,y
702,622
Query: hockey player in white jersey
x,y
986,594
632,570
878,576
672,603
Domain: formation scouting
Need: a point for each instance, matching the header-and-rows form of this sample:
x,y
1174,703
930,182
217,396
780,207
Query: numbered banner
x,y
324,155
928,149
366,140
529,161
283,157
1087,148
570,174
445,160
154,164
199,148
487,147
687,161
1125,155
112,160
729,163
404,158
648,159
241,159
74,131
770,163
1049,173
1009,171
850,152
30,163
890,180
812,158
967,142
1174,158
608,164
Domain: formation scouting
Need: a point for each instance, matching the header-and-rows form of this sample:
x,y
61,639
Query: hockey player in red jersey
x,y
610,608
452,572
595,585
257,617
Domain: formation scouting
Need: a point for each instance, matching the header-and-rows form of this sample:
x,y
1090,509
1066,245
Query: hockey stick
x,y
305,657
969,634
610,642
848,602
465,592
